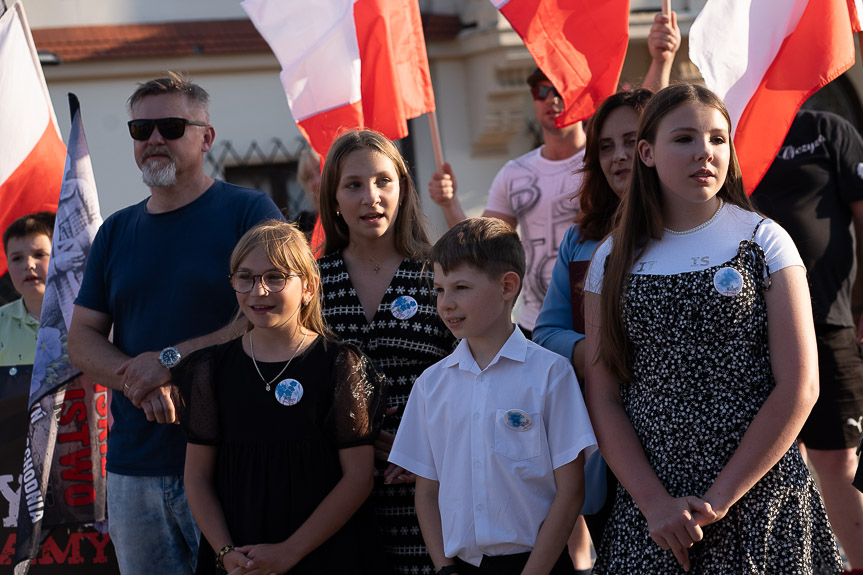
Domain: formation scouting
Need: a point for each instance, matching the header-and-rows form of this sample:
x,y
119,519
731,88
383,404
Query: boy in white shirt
x,y
494,432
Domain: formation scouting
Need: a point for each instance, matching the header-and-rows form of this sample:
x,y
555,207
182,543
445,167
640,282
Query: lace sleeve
x,y
358,406
195,398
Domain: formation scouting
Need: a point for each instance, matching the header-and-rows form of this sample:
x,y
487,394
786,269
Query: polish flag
x,y
764,59
348,64
580,45
32,155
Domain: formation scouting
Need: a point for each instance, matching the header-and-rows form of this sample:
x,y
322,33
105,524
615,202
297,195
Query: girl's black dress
x,y
275,463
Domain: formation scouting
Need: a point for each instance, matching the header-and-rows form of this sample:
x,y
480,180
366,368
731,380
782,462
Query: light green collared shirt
x,y
18,332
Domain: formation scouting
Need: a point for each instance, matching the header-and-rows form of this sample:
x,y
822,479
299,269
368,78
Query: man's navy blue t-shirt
x,y
163,280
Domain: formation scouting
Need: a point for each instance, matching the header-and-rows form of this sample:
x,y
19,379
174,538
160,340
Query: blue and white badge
x,y
289,392
13,371
517,420
404,307
728,281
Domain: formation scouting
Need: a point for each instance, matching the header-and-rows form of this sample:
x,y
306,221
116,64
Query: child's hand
x,y
383,445
384,440
673,525
395,475
235,562
265,559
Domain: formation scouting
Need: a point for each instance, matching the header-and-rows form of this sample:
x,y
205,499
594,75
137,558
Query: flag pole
x,y
666,7
435,136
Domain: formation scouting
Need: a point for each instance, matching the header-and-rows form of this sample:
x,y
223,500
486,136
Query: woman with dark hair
x,y
608,156
378,295
700,363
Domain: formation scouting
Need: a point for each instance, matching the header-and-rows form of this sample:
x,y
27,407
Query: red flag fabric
x,y
764,60
348,64
579,45
33,154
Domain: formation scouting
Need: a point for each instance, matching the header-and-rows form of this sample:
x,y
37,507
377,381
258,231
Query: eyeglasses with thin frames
x,y
169,128
272,281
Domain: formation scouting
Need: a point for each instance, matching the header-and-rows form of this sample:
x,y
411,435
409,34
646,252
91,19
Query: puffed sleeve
x,y
358,407
195,397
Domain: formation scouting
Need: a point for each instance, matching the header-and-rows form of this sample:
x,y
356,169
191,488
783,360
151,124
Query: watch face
x,y
169,357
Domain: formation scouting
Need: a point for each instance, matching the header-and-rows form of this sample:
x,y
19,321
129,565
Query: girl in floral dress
x,y
700,363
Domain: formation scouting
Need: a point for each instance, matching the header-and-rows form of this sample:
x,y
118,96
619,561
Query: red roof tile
x,y
91,43
76,44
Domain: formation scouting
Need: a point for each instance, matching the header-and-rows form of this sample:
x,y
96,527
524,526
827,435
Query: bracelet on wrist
x,y
447,570
220,564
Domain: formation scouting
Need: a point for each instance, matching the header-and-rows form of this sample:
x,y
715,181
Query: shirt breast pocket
x,y
517,434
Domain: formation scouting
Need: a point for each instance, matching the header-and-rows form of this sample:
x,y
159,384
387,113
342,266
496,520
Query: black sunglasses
x,y
169,128
542,91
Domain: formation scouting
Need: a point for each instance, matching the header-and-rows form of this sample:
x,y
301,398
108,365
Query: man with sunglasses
x,y
156,276
533,191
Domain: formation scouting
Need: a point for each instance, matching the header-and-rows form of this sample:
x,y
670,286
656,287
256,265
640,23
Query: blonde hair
x,y
287,249
410,225
308,166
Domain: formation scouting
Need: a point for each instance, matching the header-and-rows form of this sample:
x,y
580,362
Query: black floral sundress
x,y
701,370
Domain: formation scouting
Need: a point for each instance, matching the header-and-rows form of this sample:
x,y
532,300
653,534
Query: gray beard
x,y
161,176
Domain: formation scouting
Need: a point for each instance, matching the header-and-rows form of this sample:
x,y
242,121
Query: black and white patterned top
x,y
701,371
405,337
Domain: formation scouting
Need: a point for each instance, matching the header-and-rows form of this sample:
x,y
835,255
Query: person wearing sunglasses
x,y
156,276
533,192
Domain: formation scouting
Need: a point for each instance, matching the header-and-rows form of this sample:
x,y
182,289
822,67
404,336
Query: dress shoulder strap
x,y
759,260
755,231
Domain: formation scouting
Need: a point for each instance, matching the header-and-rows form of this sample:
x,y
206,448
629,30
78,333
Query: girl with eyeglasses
x,y
377,286
700,361
280,424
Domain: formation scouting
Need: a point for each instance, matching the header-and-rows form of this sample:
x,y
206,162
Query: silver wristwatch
x,y
169,357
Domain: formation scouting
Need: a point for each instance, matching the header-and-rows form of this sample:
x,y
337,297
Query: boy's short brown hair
x,y
488,244
38,224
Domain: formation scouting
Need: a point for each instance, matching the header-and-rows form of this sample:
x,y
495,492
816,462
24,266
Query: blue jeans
x,y
151,525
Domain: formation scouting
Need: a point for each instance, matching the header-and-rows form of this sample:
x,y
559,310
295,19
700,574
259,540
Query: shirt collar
x,y
17,310
515,348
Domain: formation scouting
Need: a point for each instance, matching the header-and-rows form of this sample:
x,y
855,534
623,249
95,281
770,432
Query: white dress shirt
x,y
492,439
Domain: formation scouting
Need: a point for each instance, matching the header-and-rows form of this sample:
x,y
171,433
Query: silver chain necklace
x,y
255,363
700,226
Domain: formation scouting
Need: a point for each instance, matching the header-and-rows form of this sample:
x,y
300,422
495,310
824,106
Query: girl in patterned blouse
x,y
378,295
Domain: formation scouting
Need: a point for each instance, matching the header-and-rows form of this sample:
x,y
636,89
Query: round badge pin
x,y
728,281
517,420
289,392
13,370
404,307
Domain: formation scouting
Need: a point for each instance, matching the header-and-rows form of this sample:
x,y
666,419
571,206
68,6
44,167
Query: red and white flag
x,y
348,64
579,45
764,59
32,154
